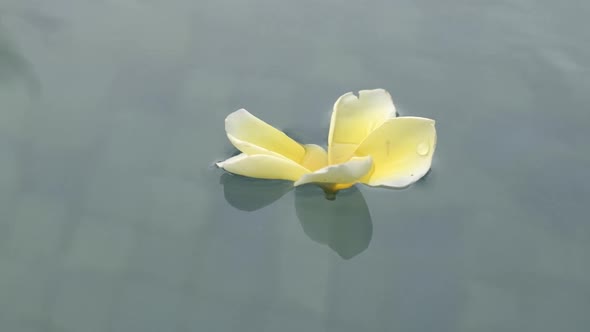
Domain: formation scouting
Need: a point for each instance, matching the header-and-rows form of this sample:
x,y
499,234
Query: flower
x,y
367,143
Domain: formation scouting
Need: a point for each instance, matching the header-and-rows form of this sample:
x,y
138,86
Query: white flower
x,y
367,143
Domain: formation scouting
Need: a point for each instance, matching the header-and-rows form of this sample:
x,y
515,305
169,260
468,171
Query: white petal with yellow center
x,y
264,167
402,150
354,118
346,173
315,157
251,149
252,136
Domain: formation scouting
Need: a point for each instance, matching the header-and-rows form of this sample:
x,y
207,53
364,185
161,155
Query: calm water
x,y
112,217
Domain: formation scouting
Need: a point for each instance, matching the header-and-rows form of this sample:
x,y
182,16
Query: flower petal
x,y
264,167
402,150
353,119
345,174
251,135
251,149
315,157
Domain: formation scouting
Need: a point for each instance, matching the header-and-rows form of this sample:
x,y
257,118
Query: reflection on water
x,y
343,224
249,194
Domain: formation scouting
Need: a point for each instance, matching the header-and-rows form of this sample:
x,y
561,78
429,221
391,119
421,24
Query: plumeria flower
x,y
367,143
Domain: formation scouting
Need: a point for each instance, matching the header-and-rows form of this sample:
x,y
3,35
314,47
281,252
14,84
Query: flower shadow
x,y
249,194
343,224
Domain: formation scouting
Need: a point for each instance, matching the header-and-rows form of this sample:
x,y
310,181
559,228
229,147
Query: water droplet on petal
x,y
422,149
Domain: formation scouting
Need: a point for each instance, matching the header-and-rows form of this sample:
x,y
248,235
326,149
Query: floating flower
x,y
367,143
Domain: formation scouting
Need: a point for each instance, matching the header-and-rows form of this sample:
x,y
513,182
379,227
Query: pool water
x,y
113,217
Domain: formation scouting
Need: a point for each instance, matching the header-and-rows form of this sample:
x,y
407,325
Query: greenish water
x,y
112,217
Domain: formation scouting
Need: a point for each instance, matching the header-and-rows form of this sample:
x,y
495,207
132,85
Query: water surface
x,y
113,218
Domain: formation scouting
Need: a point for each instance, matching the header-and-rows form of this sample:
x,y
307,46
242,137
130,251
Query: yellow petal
x,y
401,149
353,119
251,149
315,157
251,135
264,167
344,175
